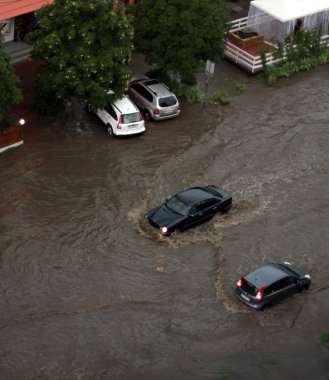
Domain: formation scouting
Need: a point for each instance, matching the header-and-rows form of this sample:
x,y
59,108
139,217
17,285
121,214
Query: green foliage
x,y
159,74
219,97
300,52
178,34
85,48
9,121
239,87
190,93
325,339
9,93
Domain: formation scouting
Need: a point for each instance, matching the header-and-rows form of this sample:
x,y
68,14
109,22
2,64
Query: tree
x,y
177,35
9,93
85,49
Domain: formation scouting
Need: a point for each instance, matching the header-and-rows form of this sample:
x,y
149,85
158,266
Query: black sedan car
x,y
271,284
189,208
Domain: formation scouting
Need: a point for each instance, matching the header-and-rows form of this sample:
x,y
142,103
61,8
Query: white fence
x,y
252,64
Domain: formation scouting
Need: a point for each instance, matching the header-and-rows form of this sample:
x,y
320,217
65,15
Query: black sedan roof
x,y
194,194
265,275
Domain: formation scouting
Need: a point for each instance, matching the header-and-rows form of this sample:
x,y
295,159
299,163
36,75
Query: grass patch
x,y
325,339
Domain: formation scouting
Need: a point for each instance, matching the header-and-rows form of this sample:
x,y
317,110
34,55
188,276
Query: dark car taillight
x,y
141,116
259,294
239,283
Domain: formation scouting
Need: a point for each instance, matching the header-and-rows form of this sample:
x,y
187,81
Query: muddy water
x,y
90,291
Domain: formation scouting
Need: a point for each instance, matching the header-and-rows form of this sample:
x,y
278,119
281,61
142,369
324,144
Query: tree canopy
x,y
85,49
178,34
9,93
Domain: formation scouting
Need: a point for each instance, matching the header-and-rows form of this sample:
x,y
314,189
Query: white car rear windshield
x,y
131,118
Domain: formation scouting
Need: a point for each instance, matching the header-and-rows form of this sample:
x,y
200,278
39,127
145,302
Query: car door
x,y
201,211
140,95
108,115
282,289
212,207
289,286
273,293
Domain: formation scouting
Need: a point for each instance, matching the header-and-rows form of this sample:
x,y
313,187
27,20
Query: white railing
x,y
239,23
251,63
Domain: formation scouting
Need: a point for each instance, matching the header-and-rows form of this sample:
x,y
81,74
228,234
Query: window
x,y
142,91
177,205
212,202
288,281
131,118
201,206
168,101
249,287
273,288
110,110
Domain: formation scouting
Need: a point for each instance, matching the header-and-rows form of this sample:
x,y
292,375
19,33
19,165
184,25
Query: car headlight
x,y
307,276
164,230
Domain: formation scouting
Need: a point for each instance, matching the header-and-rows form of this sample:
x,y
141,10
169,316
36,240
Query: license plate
x,y
133,126
245,297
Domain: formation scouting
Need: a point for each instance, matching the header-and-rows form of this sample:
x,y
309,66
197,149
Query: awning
x,y
12,8
285,10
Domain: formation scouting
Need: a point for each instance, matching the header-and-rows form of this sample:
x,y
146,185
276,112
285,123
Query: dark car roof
x,y
194,194
265,275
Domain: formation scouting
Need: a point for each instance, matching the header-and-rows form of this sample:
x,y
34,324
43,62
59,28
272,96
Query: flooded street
x,y
90,291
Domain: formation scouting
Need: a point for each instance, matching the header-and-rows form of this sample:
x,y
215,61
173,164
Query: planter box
x,y
244,42
11,137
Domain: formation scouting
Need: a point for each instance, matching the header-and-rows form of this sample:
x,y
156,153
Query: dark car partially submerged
x,y
271,284
189,208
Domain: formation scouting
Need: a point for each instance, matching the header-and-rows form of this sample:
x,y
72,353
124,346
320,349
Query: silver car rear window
x,y
168,101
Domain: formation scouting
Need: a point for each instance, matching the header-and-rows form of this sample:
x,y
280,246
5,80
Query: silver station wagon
x,y
154,99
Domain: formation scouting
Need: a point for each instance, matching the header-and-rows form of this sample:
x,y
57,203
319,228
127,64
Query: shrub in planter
x,y
300,52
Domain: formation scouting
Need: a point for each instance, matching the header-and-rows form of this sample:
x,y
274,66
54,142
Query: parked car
x,y
153,98
189,208
122,117
271,284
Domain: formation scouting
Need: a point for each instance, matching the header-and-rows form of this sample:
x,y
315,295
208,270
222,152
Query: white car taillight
x,y
120,122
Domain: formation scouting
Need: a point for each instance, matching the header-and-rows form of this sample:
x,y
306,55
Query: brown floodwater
x,y
90,291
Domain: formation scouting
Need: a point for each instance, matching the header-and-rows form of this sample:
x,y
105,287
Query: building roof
x,y
285,10
12,8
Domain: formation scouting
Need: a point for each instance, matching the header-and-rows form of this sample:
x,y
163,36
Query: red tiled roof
x,y
12,8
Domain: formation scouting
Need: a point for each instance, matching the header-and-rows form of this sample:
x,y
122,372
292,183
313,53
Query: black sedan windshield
x,y
176,205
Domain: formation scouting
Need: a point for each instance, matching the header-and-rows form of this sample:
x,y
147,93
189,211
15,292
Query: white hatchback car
x,y
122,117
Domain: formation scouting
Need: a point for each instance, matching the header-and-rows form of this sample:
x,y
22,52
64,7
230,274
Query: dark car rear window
x,y
168,101
249,288
131,118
